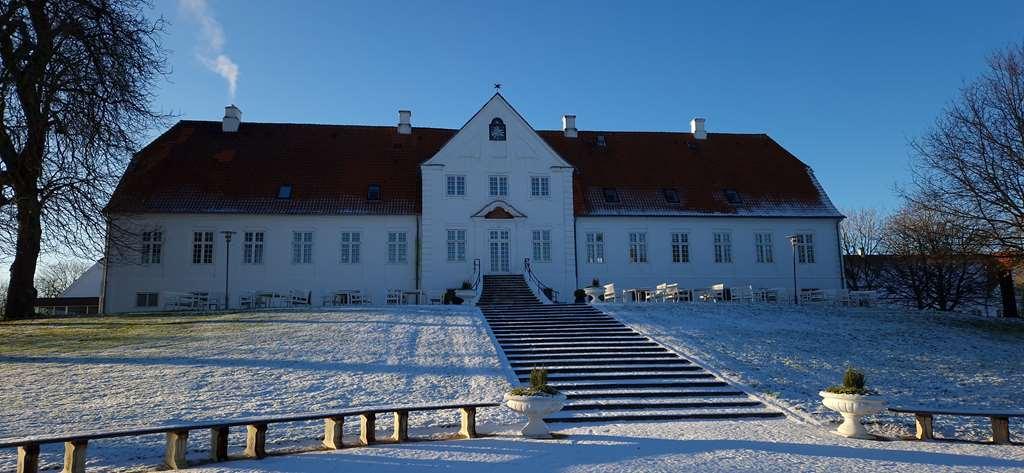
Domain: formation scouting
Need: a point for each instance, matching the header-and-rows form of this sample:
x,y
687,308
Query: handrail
x,y
528,269
177,434
477,273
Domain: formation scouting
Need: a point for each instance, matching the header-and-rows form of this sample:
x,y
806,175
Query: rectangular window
x,y
152,247
456,245
723,247
763,247
498,186
302,247
542,246
202,247
680,247
348,252
595,247
146,299
456,186
638,247
252,248
540,186
397,247
805,248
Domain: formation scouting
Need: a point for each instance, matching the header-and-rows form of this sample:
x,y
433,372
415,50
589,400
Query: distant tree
x,y
76,82
55,278
936,262
970,166
862,237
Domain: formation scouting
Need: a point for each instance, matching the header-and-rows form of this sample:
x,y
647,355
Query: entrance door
x,y
498,240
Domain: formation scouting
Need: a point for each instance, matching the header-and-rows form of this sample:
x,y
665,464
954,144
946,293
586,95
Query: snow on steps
x,y
608,371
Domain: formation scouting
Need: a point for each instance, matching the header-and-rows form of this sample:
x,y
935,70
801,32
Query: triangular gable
x,y
514,121
498,209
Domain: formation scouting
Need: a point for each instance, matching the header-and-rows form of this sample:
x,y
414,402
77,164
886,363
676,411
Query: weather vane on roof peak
x,y
497,86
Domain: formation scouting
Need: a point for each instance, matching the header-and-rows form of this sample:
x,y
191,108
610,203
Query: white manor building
x,y
329,207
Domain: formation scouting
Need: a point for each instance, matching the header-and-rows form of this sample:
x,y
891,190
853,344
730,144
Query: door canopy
x,y
499,210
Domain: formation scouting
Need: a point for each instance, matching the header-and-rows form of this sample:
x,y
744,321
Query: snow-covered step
x,y
621,358
541,351
643,394
630,384
610,377
654,405
668,414
613,355
578,343
567,332
554,371
623,364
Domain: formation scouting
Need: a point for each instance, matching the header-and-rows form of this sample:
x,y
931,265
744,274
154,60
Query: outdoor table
x,y
415,295
638,294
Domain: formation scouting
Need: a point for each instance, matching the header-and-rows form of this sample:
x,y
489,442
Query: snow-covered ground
x,y
789,353
726,446
78,374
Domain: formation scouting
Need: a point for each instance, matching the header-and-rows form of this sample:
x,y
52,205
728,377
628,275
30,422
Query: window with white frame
x,y
302,247
595,247
456,245
147,299
398,247
763,247
805,248
540,186
350,247
152,247
497,186
637,247
542,246
456,186
723,247
202,247
252,247
680,247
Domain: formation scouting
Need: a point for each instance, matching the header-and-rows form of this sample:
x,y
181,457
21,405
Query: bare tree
x,y
57,277
76,82
970,166
937,262
862,237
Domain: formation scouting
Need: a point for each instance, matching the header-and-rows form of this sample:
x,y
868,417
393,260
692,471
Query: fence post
x,y
367,427
28,459
401,426
333,431
924,426
74,456
177,445
1001,430
256,440
219,444
468,415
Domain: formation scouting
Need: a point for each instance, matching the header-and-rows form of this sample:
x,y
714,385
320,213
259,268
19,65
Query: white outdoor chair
x,y
702,295
717,292
742,294
609,292
435,297
394,297
657,295
297,297
685,295
839,296
671,293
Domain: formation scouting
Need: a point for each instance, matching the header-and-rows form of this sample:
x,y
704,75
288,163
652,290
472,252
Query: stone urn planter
x,y
594,294
853,407
853,401
535,407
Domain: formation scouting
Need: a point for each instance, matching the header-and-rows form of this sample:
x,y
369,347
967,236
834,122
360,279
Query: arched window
x,y
497,130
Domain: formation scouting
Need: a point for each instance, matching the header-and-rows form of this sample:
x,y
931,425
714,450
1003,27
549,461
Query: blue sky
x,y
843,85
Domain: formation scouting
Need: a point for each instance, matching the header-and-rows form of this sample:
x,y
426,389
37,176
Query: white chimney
x,y
569,125
404,122
232,118
697,128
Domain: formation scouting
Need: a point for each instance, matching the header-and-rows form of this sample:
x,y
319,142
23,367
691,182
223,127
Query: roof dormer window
x,y
373,192
671,195
497,130
611,195
284,192
600,141
732,196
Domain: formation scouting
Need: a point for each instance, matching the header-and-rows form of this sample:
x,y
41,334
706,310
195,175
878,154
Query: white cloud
x,y
211,42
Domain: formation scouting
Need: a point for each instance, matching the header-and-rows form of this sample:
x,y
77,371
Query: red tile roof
x,y
196,168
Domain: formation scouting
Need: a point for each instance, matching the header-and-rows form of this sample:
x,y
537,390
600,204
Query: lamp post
x,y
227,266
792,243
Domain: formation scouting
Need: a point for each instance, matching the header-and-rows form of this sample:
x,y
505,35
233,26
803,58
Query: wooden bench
x,y
924,415
256,427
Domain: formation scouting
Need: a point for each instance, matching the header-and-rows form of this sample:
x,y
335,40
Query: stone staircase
x,y
608,371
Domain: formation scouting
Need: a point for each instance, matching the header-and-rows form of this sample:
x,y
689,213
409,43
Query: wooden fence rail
x,y
256,434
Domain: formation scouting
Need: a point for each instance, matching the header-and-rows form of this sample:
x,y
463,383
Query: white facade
x,y
176,271
693,263
534,185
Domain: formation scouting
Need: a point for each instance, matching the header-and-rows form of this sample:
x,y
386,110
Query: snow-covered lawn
x,y
790,353
77,374
716,446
